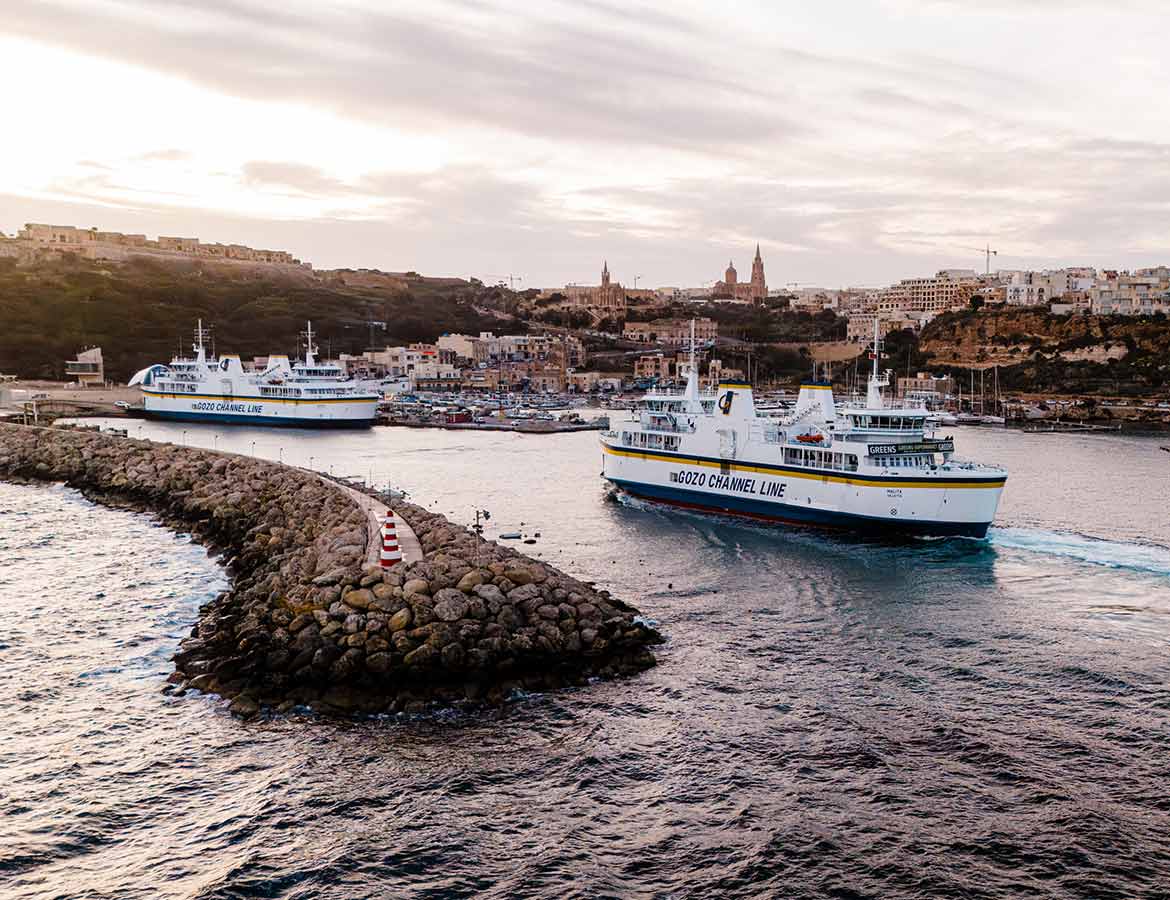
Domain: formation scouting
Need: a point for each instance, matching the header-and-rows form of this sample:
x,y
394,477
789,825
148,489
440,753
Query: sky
x,y
856,142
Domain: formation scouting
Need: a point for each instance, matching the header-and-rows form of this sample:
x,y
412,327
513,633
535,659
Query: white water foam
x,y
1152,558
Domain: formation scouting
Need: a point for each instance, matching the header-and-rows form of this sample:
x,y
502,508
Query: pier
x,y
309,621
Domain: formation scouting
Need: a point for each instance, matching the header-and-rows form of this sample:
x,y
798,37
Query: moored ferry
x,y
305,394
870,466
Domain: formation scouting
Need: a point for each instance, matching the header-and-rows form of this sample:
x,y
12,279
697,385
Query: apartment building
x,y
675,332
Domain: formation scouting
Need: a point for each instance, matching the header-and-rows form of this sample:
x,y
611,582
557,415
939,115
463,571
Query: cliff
x,y
1039,352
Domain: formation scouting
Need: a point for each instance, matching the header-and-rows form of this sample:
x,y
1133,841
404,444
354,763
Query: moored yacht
x,y
869,466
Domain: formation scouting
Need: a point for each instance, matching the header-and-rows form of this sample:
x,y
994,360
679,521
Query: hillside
x,y
141,311
1042,353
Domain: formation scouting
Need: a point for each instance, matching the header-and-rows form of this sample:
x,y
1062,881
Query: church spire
x,y
758,257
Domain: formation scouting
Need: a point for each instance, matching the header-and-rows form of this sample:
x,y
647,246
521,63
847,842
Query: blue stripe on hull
x,y
798,515
233,419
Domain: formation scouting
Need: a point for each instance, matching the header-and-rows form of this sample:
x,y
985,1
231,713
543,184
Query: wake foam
x,y
1151,558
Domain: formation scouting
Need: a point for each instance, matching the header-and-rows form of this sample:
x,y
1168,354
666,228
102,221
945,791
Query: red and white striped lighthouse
x,y
391,554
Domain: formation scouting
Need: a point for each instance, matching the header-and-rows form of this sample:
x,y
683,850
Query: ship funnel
x,y
814,403
734,402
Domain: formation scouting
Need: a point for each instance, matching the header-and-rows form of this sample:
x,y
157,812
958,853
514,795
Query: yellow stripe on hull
x,y
892,481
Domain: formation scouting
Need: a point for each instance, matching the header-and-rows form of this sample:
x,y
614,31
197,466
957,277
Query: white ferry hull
x,y
833,499
243,410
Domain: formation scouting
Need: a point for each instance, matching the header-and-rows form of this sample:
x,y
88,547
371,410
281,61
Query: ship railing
x,y
665,423
968,466
860,405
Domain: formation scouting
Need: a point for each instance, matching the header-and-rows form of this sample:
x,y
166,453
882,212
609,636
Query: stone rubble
x,y
305,623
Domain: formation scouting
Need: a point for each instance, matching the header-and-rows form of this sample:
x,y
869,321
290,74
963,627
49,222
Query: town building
x,y
87,369
730,288
593,382
605,300
927,387
859,328
655,366
675,332
468,350
948,289
717,372
1026,288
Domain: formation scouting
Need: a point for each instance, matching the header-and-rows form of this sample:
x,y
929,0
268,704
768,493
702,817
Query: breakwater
x,y
306,623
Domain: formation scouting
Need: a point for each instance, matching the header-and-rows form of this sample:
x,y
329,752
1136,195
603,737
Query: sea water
x,y
829,717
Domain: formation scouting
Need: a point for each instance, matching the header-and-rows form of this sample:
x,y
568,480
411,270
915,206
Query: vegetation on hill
x,y
142,311
770,324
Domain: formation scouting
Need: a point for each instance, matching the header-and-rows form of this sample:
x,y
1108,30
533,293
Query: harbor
x,y
838,671
584,451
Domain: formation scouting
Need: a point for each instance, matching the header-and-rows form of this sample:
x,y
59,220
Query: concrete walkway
x,y
376,513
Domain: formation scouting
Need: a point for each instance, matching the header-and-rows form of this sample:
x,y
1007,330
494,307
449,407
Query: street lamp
x,y
310,462
215,441
253,448
184,437
478,529
280,455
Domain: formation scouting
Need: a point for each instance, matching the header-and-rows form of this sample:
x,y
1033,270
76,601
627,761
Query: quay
x,y
309,621
523,426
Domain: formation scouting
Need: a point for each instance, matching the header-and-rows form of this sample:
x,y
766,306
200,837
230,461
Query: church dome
x,y
730,275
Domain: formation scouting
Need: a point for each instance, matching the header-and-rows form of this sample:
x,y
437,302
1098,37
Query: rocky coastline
x,y
307,624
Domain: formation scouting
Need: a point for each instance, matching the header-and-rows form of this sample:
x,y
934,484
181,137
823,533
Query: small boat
x,y
510,536
810,438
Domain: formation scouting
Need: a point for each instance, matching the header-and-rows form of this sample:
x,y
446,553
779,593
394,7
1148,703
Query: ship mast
x,y
692,392
873,394
200,334
310,350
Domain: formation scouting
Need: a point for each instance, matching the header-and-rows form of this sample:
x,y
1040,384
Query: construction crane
x,y
987,252
512,279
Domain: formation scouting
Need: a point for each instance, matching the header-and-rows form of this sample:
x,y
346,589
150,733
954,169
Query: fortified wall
x,y
36,241
307,623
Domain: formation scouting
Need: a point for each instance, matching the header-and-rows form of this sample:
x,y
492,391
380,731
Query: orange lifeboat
x,y
810,438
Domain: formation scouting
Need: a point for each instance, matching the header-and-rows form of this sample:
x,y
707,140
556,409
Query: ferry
x,y
869,466
305,394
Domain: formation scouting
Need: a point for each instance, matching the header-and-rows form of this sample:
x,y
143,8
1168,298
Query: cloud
x,y
665,137
169,155
579,81
297,177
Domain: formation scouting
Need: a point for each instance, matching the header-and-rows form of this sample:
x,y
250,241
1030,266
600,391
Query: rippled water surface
x,y
830,718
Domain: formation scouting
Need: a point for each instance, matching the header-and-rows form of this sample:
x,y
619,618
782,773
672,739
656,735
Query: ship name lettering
x,y
733,483
225,406
772,489
684,477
